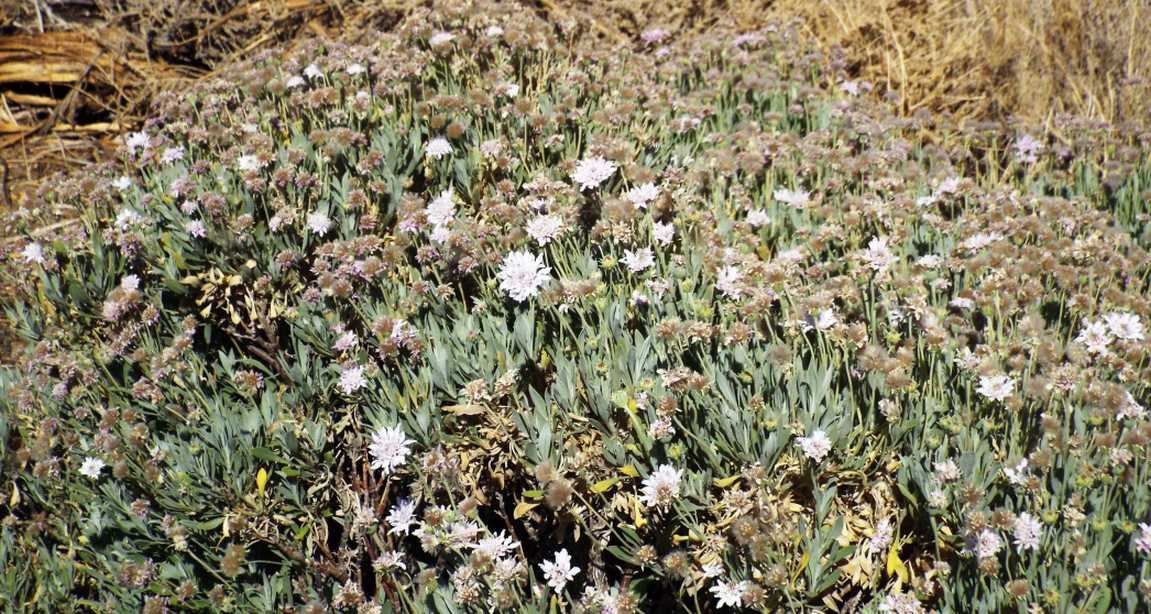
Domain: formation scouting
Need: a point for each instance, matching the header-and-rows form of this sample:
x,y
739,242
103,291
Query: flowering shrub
x,y
480,317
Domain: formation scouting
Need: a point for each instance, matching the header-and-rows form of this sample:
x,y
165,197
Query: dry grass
x,y
990,59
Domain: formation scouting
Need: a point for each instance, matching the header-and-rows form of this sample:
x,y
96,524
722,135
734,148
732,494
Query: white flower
x,y
1027,532
1027,149
1095,336
662,233
878,255
796,198
389,559
662,486
294,81
979,241
494,32
355,69
640,196
130,282
389,449
122,183
653,35
559,572
1124,325
728,594
312,71
1017,475
816,446
1143,542
758,217
196,228
91,468
523,274
1131,408
638,260
930,261
438,148
441,38
901,603
248,163
442,209
882,538
545,228
126,218
172,154
346,341
996,387
589,173
728,282
495,546
319,223
822,321
987,544
402,517
352,379
137,141
947,471
33,252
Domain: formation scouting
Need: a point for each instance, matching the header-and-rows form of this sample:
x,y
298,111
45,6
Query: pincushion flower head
x,y
641,195
523,274
438,148
442,209
728,594
795,198
663,233
729,281
815,446
545,228
352,379
560,571
91,468
661,488
319,223
1124,325
33,253
996,387
589,173
638,260
389,449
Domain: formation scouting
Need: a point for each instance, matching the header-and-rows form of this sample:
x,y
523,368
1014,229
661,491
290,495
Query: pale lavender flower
x,y
795,198
545,228
815,447
1027,532
196,228
996,387
91,468
523,274
589,173
986,544
641,195
1124,325
878,255
389,449
661,488
663,233
728,594
319,223
402,517
1095,336
757,218
1143,542
441,38
248,163
442,209
560,571
438,147
638,260
33,253
352,379
729,282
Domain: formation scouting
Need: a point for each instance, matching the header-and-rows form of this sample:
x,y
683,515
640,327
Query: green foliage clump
x,y
481,317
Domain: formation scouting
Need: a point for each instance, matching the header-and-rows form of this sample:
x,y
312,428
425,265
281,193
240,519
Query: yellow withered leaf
x,y
895,566
604,485
725,482
522,508
629,471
